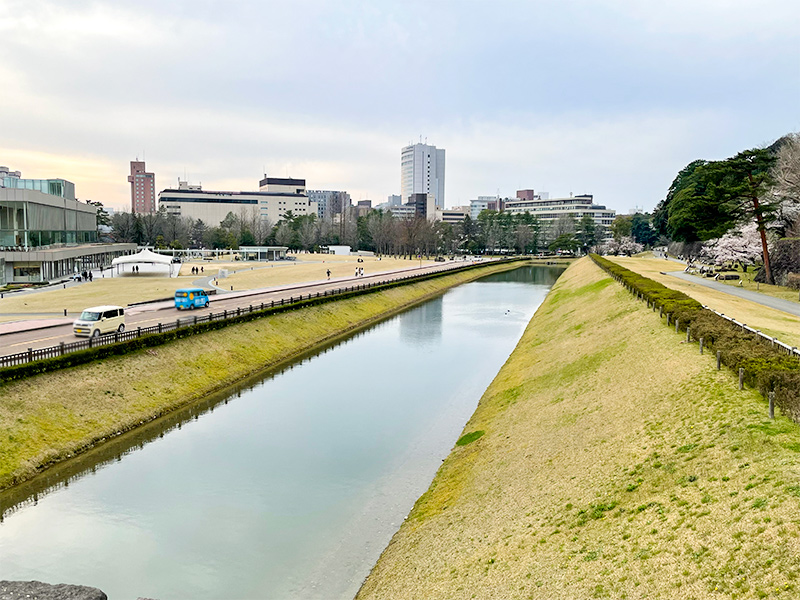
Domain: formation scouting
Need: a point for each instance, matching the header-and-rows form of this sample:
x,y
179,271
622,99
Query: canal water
x,y
286,487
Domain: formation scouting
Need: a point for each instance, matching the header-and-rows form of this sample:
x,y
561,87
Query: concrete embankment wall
x,y
50,417
609,459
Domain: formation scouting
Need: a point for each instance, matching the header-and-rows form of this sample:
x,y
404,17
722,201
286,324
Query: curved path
x,y
787,306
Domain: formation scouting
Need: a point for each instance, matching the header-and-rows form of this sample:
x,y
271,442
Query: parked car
x,y
97,320
191,298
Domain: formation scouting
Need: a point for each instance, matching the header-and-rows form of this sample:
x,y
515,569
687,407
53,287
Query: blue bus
x,y
191,298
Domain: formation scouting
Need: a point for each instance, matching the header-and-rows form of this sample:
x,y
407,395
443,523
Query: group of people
x,y
85,276
198,270
359,271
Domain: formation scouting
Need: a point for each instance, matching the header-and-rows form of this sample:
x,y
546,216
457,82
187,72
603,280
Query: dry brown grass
x,y
116,290
48,417
312,268
616,463
128,289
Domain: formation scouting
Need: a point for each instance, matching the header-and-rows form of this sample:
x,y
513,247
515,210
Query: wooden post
x,y
61,348
719,359
771,405
701,345
688,329
676,325
741,378
661,311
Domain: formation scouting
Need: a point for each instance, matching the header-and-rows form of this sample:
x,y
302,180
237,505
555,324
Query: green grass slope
x,y
615,462
47,418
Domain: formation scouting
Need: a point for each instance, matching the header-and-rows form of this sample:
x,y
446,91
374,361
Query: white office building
x,y
422,172
547,210
276,197
481,203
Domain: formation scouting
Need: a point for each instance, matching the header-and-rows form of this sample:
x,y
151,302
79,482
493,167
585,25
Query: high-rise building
x,y
143,188
422,172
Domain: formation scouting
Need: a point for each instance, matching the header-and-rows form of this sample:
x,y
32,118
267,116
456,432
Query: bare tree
x,y
524,236
786,177
284,234
786,172
307,235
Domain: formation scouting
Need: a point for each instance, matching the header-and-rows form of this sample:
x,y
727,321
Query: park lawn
x,y
109,290
776,323
129,289
311,267
55,415
615,462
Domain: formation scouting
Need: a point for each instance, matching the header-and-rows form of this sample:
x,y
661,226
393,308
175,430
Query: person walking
x,y
329,274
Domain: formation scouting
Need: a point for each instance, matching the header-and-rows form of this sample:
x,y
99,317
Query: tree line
x,y
378,231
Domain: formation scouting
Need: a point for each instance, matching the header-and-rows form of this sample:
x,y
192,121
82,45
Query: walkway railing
x,y
34,354
774,342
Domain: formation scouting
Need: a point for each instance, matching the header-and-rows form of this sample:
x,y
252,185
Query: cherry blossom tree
x,y
741,245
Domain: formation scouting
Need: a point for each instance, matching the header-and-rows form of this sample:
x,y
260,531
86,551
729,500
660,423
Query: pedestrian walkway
x,y
787,306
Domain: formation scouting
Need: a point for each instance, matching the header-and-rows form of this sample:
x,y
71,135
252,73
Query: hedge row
x,y
767,368
81,357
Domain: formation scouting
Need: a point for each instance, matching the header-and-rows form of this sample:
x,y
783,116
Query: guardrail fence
x,y
34,354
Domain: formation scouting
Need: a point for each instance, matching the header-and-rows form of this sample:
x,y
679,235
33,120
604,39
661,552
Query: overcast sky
x,y
609,97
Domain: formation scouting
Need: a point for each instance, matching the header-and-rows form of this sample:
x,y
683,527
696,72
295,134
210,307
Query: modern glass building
x,y
34,219
45,233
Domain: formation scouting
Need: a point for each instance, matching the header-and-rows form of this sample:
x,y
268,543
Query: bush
x,y
766,367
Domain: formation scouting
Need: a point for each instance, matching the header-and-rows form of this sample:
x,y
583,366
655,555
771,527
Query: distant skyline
x,y
608,97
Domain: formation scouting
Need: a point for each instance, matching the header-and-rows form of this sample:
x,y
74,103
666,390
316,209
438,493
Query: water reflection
x,y
422,326
286,486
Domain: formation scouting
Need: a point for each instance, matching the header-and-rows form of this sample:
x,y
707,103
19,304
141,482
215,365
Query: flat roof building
x,y
548,210
45,234
329,202
275,198
143,188
422,172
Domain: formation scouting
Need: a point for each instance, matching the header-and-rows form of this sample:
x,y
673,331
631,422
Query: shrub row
x,y
81,357
765,367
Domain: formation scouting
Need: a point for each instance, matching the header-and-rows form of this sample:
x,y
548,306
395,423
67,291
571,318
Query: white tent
x,y
143,257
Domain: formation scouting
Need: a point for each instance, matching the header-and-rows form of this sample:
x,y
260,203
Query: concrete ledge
x,y
36,590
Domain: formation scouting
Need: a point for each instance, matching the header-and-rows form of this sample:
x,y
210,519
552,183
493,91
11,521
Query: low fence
x,y
761,361
225,316
761,336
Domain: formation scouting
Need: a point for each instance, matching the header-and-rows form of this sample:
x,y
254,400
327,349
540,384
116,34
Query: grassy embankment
x,y
52,416
773,322
615,462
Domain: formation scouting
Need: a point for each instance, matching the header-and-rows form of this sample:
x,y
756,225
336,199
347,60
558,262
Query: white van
x,y
98,320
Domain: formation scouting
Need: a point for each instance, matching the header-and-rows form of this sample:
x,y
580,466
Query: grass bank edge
x,y
765,368
368,309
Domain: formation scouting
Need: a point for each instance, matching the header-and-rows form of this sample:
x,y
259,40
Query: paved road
x,y
787,306
165,312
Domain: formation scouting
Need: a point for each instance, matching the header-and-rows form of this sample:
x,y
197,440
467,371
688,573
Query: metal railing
x,y
34,354
774,342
